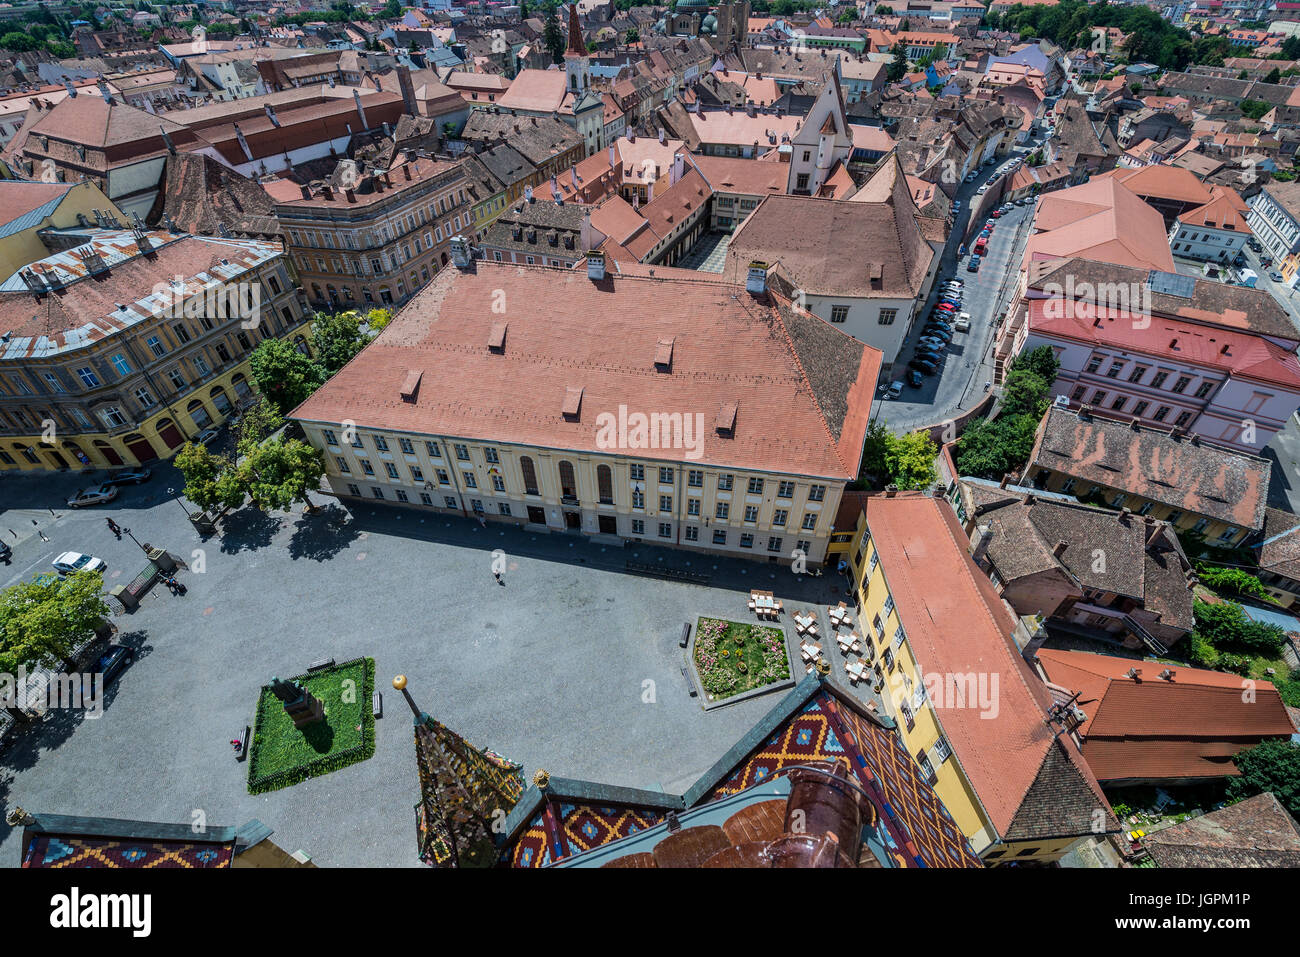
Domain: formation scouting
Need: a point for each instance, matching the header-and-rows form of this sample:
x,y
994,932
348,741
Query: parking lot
x,y
967,363
572,665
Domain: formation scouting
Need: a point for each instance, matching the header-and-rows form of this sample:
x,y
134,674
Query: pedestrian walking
x,y
38,531
113,527
497,576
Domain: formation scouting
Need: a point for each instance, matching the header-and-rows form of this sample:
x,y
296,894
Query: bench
x,y
667,571
244,741
690,685
377,704
320,665
686,635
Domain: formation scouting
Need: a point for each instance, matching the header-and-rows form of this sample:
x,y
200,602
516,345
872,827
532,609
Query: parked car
x,y
207,437
92,496
961,250
973,265
962,323
1265,262
1254,244
996,214
112,661
78,562
958,283
956,206
1276,277
926,355
925,368
970,177
915,379
6,552
937,330
931,342
990,225
131,476
890,390
981,191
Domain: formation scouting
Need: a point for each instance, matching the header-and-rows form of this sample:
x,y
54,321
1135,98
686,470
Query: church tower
x,y
576,61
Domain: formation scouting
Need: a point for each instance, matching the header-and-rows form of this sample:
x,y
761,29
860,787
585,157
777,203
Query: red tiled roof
x,y
803,388
1152,728
957,625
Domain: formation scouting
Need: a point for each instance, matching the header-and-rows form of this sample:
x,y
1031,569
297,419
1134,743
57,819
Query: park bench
x,y
377,705
690,685
244,741
686,635
667,571
320,665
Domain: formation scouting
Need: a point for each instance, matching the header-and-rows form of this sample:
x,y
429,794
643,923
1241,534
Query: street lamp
x,y
176,495
128,534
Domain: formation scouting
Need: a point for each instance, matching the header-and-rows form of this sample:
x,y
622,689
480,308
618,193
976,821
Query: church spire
x,y
576,46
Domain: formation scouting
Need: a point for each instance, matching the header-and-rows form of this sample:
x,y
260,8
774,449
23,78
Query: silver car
x,y
92,496
78,562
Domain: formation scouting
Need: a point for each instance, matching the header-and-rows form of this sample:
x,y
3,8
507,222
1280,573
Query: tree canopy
x,y
1269,766
43,621
283,374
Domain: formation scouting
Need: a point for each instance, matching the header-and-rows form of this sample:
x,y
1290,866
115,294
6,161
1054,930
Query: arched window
x,y
605,484
199,413
530,476
568,482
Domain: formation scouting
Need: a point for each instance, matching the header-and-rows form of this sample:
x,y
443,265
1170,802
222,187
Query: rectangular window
x,y
376,491
1114,371
177,380
751,514
636,472
449,501
401,496
1098,397
779,517
756,486
462,452
1183,419
722,511
1161,413
1203,389
391,469
724,483
1159,379
1182,383
785,490
490,455
120,364
88,377
470,480
498,483
342,464
417,473
1137,373
426,499
839,313
406,446
809,521
693,506
719,536
665,476
816,493
144,397
1094,364
638,498
367,467
434,451
692,533
665,530
503,508
155,346
1118,404
746,540
381,443
695,478
1141,409
638,526
353,490
665,503
182,334
774,544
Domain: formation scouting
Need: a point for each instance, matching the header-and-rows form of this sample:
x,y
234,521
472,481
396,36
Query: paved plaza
x,y
572,665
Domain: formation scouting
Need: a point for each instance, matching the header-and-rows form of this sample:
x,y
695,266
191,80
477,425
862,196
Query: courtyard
x,y
571,665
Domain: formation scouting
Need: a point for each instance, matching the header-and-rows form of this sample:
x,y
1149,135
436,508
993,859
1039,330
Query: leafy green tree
x,y
211,482
897,66
17,42
283,374
1025,393
1232,580
993,448
1227,628
884,10
281,471
633,36
1269,766
336,338
1254,109
377,319
1041,361
910,460
1274,76
873,451
43,621
553,37
257,423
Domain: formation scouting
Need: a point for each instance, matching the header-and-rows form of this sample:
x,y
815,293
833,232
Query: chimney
x,y
356,97
1134,673
979,554
596,266
679,168
1059,549
756,280
408,91
460,253
1167,674
270,115
327,191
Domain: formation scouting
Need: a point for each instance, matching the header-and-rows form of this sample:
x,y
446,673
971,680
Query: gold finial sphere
x,y
399,682
541,779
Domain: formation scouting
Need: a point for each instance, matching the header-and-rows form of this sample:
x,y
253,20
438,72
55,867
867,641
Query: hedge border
x,y
330,762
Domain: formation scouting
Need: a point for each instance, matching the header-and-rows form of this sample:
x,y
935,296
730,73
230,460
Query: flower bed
x,y
732,658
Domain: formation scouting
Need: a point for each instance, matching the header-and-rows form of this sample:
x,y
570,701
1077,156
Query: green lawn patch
x,y
732,658
281,755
